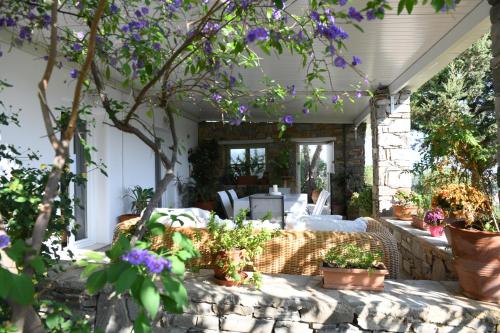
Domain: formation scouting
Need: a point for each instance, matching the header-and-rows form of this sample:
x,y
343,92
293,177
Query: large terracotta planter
x,y
418,222
126,217
356,279
477,261
404,213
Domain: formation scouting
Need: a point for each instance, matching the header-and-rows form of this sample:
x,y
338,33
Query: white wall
x,y
129,162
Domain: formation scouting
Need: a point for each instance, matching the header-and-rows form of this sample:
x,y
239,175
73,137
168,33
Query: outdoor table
x,y
294,203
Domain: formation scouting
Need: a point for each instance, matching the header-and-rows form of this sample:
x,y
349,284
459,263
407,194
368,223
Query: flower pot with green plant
x,y
140,199
348,266
204,180
361,203
235,247
405,204
474,237
434,219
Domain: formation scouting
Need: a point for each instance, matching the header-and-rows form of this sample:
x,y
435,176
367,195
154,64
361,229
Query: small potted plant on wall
x,y
235,247
435,220
474,235
348,266
140,199
405,204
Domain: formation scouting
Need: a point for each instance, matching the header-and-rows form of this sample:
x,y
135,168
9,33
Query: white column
x,y
390,121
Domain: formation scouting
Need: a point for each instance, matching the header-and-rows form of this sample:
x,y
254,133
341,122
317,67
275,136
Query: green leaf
x,y
409,5
401,6
22,290
126,69
141,324
121,246
89,269
96,281
278,4
115,270
126,280
178,266
150,298
156,229
5,286
20,199
176,292
16,251
38,265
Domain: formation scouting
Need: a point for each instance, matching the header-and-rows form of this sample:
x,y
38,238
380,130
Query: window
x,y
247,161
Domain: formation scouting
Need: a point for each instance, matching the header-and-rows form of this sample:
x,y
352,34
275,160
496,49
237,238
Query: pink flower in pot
x,y
435,218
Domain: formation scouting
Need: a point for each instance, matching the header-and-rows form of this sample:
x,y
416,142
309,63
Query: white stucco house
x,y
399,53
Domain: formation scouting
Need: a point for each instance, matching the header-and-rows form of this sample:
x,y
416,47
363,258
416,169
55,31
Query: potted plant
x,y
435,221
474,237
348,266
361,203
140,200
234,247
204,179
405,204
417,220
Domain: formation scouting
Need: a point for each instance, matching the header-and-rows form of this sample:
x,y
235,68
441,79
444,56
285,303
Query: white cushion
x,y
327,223
199,217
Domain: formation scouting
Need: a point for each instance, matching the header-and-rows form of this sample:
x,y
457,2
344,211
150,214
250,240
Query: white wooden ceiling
x,y
398,51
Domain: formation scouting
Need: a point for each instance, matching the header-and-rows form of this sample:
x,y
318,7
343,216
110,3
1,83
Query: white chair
x,y
270,206
226,203
282,190
232,195
320,204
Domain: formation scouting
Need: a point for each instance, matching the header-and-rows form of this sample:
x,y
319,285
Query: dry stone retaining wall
x,y
297,304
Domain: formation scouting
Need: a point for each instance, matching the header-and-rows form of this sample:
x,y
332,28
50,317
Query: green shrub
x,y
352,256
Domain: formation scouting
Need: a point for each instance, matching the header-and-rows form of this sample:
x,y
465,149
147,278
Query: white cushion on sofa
x,y
327,223
199,217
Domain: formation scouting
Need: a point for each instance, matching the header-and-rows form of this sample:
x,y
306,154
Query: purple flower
x,y
242,109
113,9
207,47
335,98
291,90
168,265
154,263
358,94
10,22
4,241
25,33
235,122
232,81
77,47
340,62
305,111
356,61
276,14
136,37
74,73
210,28
46,20
370,15
315,16
156,46
354,14
140,63
125,28
145,10
342,2
136,256
288,119
434,217
257,34
331,49
205,1
217,97
138,13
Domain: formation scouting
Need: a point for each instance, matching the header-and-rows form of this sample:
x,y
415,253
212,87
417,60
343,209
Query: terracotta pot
x,y
358,279
436,230
232,283
126,217
404,213
477,261
206,205
315,196
235,256
418,222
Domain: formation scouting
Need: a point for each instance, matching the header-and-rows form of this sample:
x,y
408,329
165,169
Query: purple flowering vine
x,y
257,34
335,98
4,241
74,73
305,111
288,119
340,62
154,264
356,61
354,14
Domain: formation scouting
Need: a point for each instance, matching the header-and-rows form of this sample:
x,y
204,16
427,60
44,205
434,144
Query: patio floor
x,y
288,303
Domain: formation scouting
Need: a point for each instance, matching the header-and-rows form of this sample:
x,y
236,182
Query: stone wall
x,y
391,148
349,153
422,257
294,304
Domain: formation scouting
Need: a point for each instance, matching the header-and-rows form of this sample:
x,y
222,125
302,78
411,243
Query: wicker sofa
x,y
293,252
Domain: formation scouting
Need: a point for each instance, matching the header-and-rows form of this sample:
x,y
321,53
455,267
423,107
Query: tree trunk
x,y
495,70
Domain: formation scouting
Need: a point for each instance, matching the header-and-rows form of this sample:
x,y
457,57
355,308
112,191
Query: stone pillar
x,y
390,123
495,69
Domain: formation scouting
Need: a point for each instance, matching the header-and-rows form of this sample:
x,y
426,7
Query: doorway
x,y
314,168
